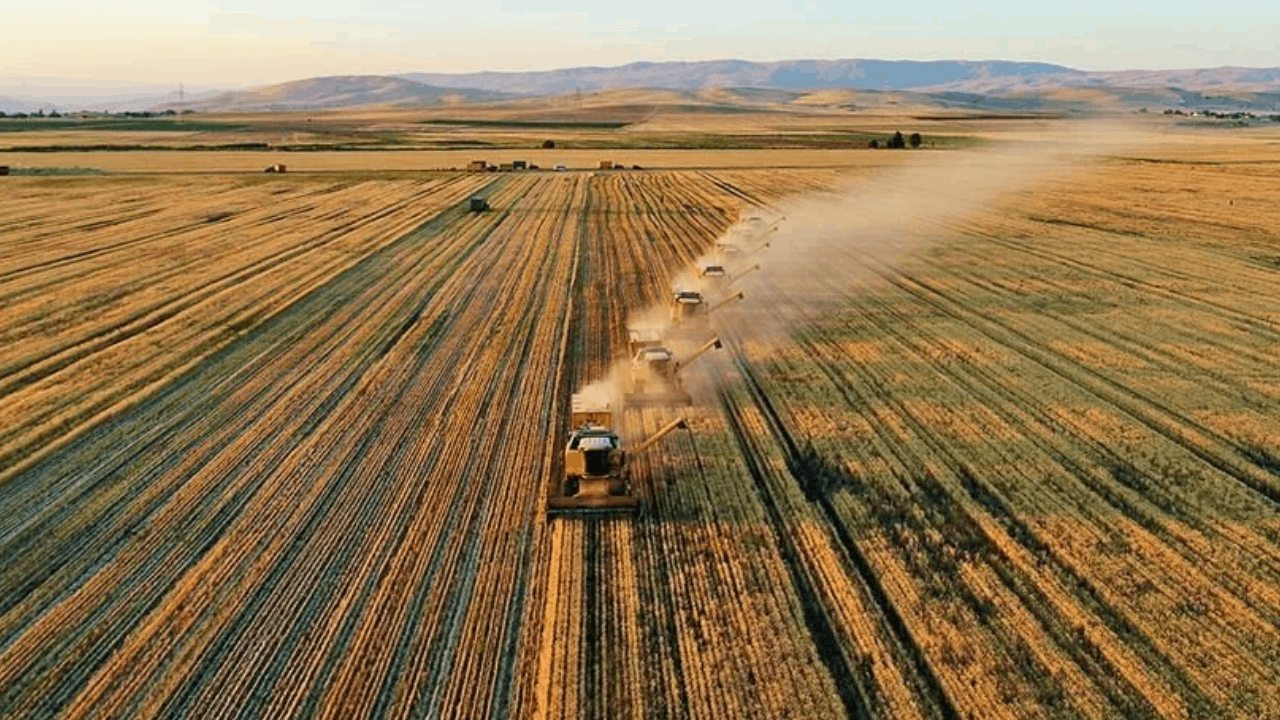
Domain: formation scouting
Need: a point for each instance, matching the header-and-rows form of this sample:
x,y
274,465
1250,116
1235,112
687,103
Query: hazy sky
x,y
237,42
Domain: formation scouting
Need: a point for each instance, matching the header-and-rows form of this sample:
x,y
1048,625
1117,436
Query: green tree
x,y
915,140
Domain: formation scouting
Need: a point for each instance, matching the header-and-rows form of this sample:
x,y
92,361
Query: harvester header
x,y
731,299
595,477
655,376
590,411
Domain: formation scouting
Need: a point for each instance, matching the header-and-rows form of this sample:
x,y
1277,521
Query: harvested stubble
x,y
278,449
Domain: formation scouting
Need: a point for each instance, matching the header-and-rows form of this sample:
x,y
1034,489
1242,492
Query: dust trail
x,y
603,392
807,255
823,251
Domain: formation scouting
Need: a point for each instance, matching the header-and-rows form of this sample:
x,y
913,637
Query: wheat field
x,y
278,447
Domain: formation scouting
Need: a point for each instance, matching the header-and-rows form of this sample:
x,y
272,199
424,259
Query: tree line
x,y
897,142
90,113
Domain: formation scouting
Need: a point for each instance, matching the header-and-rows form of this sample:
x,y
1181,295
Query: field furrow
x,y
279,447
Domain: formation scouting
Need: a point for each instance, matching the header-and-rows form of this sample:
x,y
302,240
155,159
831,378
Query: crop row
x,y
1027,473
1058,529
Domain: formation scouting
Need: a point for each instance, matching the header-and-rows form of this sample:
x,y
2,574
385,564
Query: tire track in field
x,y
1018,408
140,320
1097,667
935,697
1166,421
1255,323
1196,699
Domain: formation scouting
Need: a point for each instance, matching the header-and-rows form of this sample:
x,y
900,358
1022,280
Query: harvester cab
x,y
653,379
755,226
478,204
640,338
752,234
688,310
728,251
714,275
652,364
595,477
655,376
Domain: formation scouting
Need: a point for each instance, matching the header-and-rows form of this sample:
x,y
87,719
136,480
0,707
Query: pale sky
x,y
237,42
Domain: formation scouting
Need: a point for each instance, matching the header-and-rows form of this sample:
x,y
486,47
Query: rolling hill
x,y
987,85
340,92
787,75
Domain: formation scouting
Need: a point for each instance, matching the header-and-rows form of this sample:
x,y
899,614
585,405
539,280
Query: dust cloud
x,y
601,393
808,254
830,244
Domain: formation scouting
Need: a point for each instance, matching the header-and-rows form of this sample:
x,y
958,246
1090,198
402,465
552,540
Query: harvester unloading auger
x,y
689,311
655,376
595,473
742,274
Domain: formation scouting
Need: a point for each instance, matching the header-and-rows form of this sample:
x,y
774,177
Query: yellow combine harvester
x,y
746,238
640,338
595,474
655,376
755,228
690,313
714,273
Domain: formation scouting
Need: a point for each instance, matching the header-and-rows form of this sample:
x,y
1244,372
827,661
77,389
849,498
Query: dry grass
x,y
372,161
277,446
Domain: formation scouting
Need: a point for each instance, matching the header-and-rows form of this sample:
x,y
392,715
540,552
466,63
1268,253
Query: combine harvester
x,y
640,338
655,376
714,275
754,228
595,473
689,314
747,238
717,278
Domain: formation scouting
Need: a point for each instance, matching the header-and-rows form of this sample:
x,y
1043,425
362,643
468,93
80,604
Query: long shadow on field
x,y
818,477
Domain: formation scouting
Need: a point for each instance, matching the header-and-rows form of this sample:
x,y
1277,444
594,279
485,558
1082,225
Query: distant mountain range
x,y
990,85
931,76
785,75
29,94
342,91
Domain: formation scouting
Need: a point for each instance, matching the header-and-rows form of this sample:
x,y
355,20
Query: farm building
x,y
520,164
477,166
277,168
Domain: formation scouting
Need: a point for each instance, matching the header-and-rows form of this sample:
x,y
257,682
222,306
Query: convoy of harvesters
x,y
595,478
